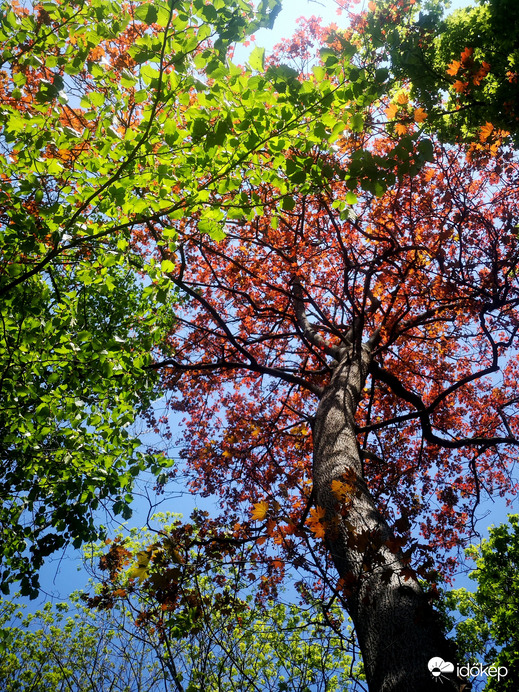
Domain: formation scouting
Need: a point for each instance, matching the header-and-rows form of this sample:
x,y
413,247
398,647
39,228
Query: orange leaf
x,y
391,111
342,490
278,564
459,86
419,115
401,129
318,530
485,132
454,68
318,513
466,55
260,510
402,98
316,521
481,73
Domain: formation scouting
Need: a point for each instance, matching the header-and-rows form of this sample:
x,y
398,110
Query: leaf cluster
x,y
488,631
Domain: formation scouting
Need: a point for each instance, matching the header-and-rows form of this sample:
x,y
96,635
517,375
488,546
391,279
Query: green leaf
x,y
288,203
257,59
146,13
167,266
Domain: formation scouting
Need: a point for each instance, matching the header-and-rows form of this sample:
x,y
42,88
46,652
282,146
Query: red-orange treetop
x,y
428,271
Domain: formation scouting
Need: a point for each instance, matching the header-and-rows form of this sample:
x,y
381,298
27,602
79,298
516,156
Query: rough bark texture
x,y
397,629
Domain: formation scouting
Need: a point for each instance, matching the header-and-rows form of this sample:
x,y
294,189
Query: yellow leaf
x,y
391,111
144,557
260,510
419,115
342,490
139,573
143,560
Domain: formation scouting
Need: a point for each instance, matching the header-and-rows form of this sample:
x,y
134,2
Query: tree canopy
x,y
209,635
89,150
312,258
488,630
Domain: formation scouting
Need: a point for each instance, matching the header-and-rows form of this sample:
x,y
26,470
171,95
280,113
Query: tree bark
x,y
397,629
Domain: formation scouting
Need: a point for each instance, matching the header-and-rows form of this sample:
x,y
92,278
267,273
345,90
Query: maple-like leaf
x,y
318,529
316,521
485,132
260,510
143,561
342,490
391,111
401,129
453,68
460,86
466,56
481,74
419,115
402,98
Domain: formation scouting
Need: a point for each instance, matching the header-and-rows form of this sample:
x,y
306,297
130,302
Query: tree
x,y
346,363
69,647
90,150
357,309
463,66
488,631
209,635
107,127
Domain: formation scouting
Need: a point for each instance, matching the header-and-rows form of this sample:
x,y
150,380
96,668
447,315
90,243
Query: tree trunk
x,y
397,629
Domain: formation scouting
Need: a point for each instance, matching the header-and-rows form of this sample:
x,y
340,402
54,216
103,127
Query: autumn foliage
x,y
344,346
391,244
430,268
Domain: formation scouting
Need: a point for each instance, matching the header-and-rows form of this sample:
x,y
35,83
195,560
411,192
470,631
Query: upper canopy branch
x,y
223,364
423,412
308,329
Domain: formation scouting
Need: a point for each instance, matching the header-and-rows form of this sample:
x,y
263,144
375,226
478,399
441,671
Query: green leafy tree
x,y
214,637
463,64
69,647
90,96
488,632
115,118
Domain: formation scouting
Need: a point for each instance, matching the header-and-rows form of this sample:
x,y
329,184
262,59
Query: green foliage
x,y
197,610
224,642
427,47
73,360
93,147
69,647
115,118
489,631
